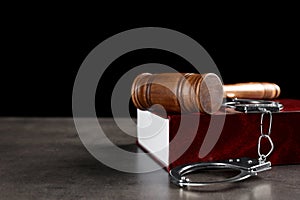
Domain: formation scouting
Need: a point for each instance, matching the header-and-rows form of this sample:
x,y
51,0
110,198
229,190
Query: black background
x,y
42,52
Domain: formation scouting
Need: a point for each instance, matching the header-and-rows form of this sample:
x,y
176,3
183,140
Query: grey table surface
x,y
44,158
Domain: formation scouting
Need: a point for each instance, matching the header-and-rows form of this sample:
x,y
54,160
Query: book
x,y
174,139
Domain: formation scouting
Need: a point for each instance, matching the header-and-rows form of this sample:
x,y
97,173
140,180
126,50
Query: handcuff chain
x,y
262,157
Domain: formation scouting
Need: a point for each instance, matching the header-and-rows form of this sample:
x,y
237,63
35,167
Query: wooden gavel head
x,y
178,92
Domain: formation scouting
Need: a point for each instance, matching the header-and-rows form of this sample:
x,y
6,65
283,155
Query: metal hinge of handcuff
x,y
247,167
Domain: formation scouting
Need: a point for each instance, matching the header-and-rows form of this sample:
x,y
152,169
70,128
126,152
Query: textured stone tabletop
x,y
43,158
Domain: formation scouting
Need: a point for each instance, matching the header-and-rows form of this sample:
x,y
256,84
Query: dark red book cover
x,y
198,137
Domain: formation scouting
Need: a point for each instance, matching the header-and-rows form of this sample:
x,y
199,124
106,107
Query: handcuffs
x,y
247,167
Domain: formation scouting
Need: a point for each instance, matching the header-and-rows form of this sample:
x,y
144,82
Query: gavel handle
x,y
252,90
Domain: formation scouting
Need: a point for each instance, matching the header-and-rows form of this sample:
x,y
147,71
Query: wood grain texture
x,y
178,92
252,90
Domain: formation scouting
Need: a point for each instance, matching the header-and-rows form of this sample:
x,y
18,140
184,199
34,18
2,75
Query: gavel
x,y
192,92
